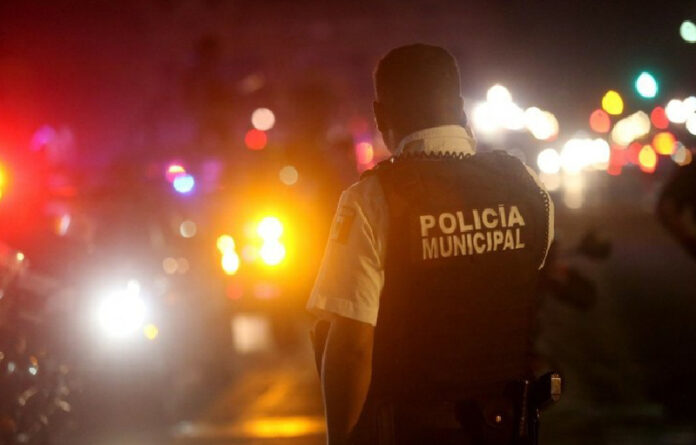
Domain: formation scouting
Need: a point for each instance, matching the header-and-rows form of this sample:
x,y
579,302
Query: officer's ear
x,y
380,116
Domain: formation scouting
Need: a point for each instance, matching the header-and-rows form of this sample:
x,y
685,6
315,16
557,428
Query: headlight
x,y
122,312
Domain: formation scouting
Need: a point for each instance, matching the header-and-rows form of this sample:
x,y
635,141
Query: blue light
x,y
184,183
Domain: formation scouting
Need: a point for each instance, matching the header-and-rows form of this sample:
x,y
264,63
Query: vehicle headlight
x,y
122,312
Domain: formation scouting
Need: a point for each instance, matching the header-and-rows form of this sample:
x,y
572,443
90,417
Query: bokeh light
x,y
691,124
188,229
122,312
498,94
542,124
600,121
182,265
687,31
581,153
682,155
647,159
617,159
549,161
633,151
658,117
483,118
272,252
364,153
498,112
173,171
663,143
689,104
255,139
288,175
170,265
612,103
224,243
270,228
184,183
630,128
230,262
646,85
676,111
263,119
150,331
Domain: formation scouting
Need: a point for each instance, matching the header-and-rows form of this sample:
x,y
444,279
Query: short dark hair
x,y
419,85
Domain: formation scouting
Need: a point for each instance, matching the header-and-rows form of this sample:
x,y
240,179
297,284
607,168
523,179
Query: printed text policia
x,y
486,230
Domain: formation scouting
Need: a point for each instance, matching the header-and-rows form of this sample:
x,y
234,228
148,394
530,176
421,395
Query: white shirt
x,y
351,275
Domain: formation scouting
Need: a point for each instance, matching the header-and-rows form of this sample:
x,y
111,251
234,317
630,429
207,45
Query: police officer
x,y
427,280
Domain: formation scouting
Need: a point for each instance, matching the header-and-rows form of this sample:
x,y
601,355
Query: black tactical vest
x,y
466,237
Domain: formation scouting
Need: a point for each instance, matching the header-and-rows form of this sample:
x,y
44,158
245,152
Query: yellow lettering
x,y
463,227
451,226
459,245
515,217
477,220
427,222
497,239
444,253
518,244
501,212
429,248
479,247
490,219
509,241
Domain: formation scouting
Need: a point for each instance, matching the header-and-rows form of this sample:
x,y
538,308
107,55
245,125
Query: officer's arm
x,y
346,373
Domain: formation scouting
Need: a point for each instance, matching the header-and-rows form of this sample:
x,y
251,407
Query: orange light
x,y
600,121
647,158
664,143
255,139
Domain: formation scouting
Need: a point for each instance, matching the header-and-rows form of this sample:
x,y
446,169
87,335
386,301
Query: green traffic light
x,y
646,85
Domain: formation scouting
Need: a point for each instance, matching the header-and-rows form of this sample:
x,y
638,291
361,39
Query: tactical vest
x,y
467,234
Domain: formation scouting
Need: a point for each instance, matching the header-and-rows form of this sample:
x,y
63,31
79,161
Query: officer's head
x,y
416,87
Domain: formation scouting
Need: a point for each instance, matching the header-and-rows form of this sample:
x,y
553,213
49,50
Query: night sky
x,y
111,70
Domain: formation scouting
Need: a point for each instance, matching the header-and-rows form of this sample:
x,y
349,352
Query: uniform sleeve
x,y
551,212
351,275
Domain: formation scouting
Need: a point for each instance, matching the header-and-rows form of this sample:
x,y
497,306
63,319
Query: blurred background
x,y
169,171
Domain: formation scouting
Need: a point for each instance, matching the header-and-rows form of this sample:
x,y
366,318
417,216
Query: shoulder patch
x,y
343,223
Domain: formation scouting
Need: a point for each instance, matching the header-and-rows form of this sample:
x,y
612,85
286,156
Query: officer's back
x,y
429,275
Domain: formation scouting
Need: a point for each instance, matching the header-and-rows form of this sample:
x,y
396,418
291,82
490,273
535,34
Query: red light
x,y
617,159
600,121
364,152
632,152
256,139
614,169
664,143
658,117
3,181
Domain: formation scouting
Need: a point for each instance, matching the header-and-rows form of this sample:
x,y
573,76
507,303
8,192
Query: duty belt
x,y
509,419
